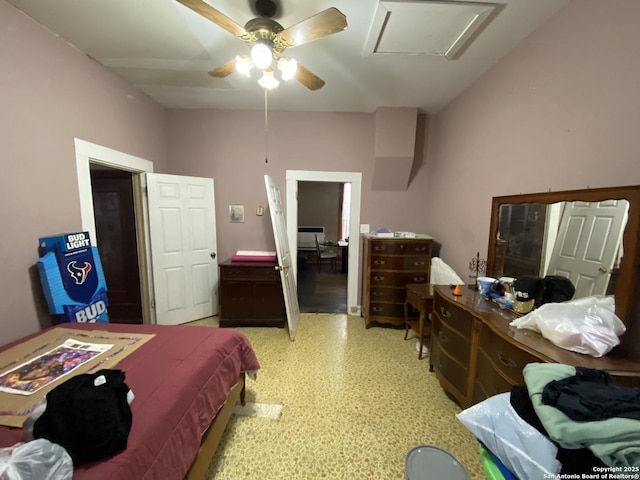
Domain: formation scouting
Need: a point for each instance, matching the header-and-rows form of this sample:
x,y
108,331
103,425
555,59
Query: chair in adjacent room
x,y
324,255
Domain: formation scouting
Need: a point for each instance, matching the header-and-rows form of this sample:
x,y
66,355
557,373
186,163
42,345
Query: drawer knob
x,y
378,279
380,262
377,294
445,313
507,363
418,279
376,309
419,264
379,248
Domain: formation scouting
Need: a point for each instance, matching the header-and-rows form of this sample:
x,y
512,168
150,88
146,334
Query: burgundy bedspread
x,y
180,379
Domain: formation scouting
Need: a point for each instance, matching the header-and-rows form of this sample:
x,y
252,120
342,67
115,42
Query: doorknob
x,y
212,254
603,269
281,267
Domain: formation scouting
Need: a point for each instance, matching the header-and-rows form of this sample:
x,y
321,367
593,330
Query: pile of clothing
x,y
85,419
564,420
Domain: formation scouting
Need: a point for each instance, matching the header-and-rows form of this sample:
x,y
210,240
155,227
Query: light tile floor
x,y
355,402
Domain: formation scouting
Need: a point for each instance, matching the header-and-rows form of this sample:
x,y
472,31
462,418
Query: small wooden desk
x,y
420,297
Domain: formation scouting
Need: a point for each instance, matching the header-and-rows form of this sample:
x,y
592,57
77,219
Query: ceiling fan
x,y
268,40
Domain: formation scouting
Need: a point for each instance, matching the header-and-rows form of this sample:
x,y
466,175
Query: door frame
x,y
355,178
88,153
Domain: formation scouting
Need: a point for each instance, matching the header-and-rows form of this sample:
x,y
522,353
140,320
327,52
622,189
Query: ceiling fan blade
x,y
224,70
217,17
308,79
320,25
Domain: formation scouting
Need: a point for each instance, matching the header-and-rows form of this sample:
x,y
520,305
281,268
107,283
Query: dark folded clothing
x,y
592,395
581,460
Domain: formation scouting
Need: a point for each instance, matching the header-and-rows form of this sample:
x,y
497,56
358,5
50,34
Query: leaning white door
x,y
285,261
182,228
588,241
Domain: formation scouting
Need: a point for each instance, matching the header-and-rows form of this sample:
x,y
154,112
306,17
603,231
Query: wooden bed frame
x,y
213,435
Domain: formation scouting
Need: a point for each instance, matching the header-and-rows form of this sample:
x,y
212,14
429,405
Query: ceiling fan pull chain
x,y
266,129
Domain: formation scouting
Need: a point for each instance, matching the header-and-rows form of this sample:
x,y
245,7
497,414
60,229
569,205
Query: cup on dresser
x,y
484,284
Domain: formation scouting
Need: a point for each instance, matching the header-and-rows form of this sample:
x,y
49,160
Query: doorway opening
x,y
322,254
114,212
92,156
354,179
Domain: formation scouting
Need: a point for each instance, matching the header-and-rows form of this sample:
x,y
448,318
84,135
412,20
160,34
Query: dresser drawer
x,y
400,247
397,279
408,262
453,316
257,273
456,346
386,310
489,381
448,368
504,356
387,294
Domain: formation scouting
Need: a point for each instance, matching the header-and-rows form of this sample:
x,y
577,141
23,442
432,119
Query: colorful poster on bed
x,y
39,372
72,278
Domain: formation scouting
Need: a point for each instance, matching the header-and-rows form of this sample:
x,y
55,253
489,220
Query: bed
x,y
186,381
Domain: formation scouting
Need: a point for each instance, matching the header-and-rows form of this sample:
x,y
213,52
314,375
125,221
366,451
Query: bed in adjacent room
x,y
182,378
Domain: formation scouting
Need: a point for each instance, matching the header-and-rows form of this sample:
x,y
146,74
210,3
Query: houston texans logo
x,y
79,274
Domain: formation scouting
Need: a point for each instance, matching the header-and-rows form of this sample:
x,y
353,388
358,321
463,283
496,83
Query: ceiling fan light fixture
x,y
244,65
268,80
288,66
261,55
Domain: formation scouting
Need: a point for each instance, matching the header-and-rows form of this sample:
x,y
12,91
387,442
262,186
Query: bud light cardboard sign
x,y
72,278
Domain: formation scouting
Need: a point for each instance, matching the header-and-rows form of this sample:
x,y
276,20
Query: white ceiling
x,y
166,50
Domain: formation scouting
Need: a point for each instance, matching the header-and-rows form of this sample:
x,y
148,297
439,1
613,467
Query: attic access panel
x,y
439,28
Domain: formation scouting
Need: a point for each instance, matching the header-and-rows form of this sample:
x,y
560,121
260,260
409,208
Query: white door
x,y
182,228
588,241
285,261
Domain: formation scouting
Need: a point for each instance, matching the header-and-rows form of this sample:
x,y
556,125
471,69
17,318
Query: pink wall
x,y
229,146
51,93
560,112
319,205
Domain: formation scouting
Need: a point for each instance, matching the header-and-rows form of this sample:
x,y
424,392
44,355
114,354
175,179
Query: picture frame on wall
x,y
236,213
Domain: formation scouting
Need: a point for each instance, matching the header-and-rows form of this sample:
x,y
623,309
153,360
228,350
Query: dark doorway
x,y
116,237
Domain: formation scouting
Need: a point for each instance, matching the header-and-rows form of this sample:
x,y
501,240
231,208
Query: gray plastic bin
x,y
427,462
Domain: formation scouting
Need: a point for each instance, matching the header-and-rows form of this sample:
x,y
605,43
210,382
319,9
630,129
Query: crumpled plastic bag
x,y
35,460
443,274
521,448
586,325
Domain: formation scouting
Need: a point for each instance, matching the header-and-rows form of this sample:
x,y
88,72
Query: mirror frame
x,y
627,291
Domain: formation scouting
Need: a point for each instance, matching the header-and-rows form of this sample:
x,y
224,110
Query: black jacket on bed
x,y
91,422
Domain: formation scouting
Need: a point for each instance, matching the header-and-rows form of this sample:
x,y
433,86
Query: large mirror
x,y
589,236
579,240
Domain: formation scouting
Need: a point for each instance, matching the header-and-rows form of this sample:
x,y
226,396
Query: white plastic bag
x,y
35,460
587,325
521,448
443,274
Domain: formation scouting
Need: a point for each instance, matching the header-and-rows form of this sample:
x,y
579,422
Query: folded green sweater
x,y
616,441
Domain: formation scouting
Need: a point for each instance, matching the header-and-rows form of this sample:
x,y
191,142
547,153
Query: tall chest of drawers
x,y
389,264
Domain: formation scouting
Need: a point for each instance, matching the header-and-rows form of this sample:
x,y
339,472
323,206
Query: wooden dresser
x,y
251,295
389,264
476,354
